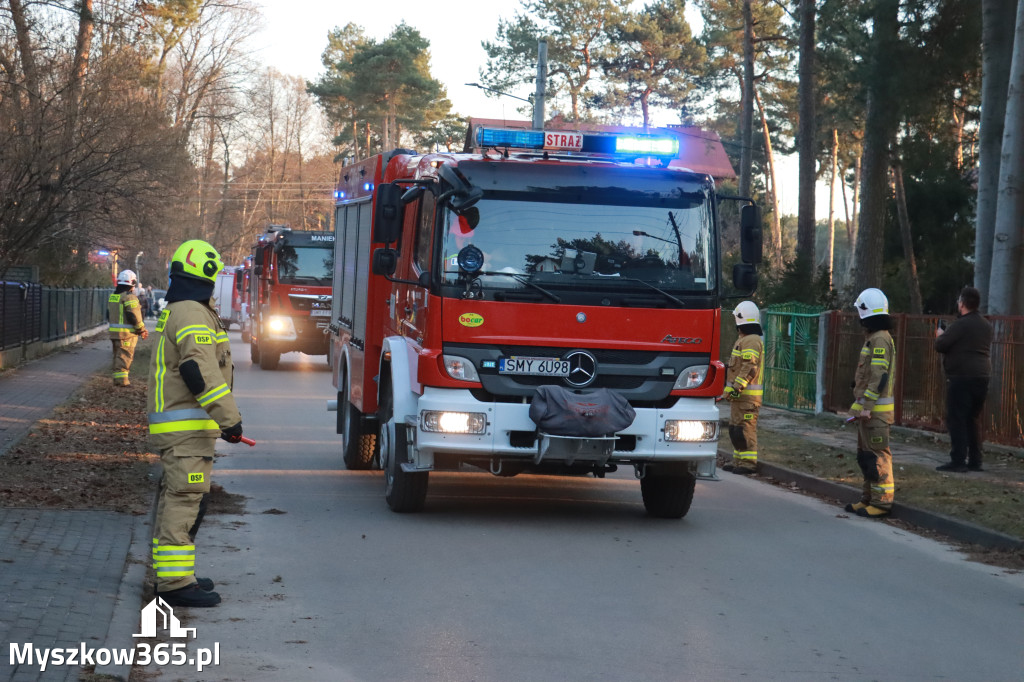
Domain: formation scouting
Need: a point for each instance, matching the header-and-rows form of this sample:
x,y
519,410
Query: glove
x,y
732,393
232,434
144,333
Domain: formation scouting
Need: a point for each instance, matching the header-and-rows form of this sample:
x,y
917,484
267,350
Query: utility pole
x,y
542,75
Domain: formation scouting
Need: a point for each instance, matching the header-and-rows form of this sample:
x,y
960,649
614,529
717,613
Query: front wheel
x,y
404,491
667,495
254,351
269,358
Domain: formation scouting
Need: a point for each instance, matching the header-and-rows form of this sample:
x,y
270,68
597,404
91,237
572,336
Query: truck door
x,y
410,311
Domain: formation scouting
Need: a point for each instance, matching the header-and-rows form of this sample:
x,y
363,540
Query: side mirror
x,y
387,218
413,193
744,277
463,202
385,262
750,234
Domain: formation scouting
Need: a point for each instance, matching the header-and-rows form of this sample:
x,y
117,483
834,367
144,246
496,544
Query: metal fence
x,y
31,312
791,356
920,390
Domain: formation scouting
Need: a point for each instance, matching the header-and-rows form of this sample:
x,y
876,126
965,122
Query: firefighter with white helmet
x,y
874,407
744,388
190,405
125,325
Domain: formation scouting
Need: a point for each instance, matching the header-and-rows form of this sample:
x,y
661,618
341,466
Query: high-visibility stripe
x,y
870,395
742,382
213,394
222,337
127,327
880,362
161,372
177,415
886,401
192,329
185,425
746,454
883,408
120,375
752,392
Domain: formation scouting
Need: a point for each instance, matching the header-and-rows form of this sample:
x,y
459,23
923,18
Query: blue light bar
x,y
504,137
368,186
647,145
338,194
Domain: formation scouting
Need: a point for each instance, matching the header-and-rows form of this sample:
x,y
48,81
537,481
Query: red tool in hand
x,y
248,441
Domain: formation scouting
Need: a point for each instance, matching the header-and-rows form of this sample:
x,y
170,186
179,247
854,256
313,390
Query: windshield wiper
x,y
522,280
651,286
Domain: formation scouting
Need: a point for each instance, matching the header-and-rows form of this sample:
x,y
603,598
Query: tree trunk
x,y
1005,296
775,238
996,51
832,207
747,104
880,127
907,237
807,133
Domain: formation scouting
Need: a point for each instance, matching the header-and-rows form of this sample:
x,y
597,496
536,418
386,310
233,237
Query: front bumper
x,y
507,433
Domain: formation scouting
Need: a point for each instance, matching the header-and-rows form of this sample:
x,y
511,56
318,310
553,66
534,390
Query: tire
x,y
254,351
269,359
357,448
404,491
667,496
245,336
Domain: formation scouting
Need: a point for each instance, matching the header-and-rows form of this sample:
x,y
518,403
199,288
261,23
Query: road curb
x,y
126,620
956,529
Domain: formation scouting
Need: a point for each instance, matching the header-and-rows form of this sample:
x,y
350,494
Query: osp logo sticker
x,y
470,320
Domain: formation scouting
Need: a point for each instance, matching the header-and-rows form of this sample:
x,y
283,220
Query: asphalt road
x,y
556,579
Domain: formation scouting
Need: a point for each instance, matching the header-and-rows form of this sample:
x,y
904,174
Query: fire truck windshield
x,y
305,264
622,243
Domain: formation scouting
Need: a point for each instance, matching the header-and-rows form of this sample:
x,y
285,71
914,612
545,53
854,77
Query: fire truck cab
x,y
464,284
289,297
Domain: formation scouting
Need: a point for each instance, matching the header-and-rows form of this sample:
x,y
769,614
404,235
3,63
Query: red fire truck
x,y
470,286
289,297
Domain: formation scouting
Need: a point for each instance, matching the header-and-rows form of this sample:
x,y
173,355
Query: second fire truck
x,y
473,292
289,296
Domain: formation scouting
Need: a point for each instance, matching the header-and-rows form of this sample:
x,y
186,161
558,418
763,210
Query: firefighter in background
x,y
124,316
190,405
874,407
744,388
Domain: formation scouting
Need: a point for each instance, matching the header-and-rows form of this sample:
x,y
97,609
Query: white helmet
x,y
127,277
871,302
747,313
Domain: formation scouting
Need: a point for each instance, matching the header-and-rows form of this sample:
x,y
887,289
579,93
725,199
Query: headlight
x,y
438,421
281,326
692,377
460,368
690,431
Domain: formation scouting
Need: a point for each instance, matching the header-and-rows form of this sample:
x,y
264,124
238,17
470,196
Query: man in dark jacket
x,y
966,349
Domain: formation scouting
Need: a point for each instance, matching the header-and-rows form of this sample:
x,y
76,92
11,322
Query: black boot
x,y
191,595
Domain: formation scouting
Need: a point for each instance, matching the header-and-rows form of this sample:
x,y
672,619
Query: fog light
x,y
438,421
690,431
460,368
691,377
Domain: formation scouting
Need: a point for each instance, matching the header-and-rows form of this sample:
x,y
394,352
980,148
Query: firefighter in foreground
x,y
874,406
744,388
190,405
124,315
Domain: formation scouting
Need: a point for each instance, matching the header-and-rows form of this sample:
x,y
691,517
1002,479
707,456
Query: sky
x,y
295,35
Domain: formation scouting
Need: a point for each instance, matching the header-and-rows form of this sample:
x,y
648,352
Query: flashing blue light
x,y
647,145
368,186
103,252
520,139
338,194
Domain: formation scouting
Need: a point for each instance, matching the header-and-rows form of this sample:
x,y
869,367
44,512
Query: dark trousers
x,y
965,398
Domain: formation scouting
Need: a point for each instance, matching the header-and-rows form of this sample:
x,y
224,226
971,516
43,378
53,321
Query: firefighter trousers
x,y
185,483
743,432
124,353
875,460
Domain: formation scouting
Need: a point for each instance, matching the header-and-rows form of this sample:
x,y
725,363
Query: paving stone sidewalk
x,y
60,570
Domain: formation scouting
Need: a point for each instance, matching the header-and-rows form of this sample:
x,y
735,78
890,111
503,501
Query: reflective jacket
x,y
746,368
189,330
124,315
873,380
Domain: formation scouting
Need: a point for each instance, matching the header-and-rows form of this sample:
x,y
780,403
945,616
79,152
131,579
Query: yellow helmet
x,y
198,260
